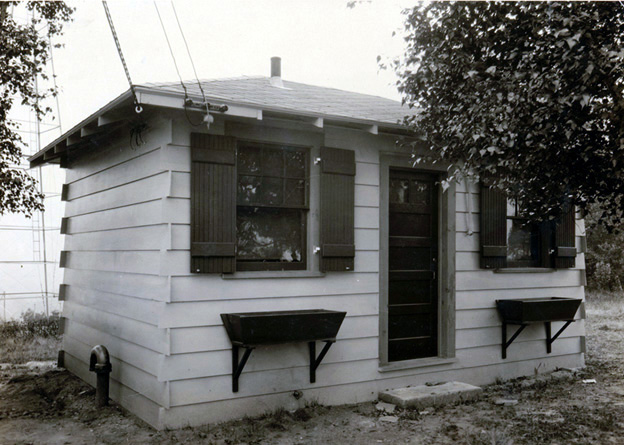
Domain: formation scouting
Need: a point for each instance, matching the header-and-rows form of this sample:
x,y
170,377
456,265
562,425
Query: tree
x,y
526,94
24,52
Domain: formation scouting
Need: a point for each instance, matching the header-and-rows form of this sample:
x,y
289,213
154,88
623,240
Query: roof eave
x,y
71,137
54,151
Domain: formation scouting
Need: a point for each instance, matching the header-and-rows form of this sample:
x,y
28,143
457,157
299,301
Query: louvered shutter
x,y
565,247
213,204
337,209
493,222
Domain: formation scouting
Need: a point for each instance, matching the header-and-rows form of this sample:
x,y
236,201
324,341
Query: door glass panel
x,y
421,193
399,191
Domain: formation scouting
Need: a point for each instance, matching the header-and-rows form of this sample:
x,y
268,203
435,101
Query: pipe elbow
x,y
99,360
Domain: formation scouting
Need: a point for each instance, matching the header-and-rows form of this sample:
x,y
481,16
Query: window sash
x,y
260,264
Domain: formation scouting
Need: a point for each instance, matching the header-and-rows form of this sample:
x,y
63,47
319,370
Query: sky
x,y
321,42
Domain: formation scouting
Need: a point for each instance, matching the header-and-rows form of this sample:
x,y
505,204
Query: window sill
x,y
272,274
525,270
418,363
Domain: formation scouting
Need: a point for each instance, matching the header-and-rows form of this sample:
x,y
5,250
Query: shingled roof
x,y
294,97
255,97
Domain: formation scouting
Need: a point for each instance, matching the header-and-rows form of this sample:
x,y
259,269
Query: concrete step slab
x,y
424,396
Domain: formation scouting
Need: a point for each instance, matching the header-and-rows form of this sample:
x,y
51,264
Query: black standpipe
x,y
99,363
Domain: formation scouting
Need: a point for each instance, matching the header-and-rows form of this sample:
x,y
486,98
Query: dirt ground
x,y
42,405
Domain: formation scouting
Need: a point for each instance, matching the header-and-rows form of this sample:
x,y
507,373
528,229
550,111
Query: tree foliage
x,y
527,94
24,52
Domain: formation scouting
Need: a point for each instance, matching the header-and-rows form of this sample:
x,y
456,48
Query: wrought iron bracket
x,y
237,367
316,361
550,339
507,343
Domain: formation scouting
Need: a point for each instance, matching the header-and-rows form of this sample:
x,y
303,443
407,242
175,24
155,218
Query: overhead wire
x,y
188,51
171,51
121,56
186,96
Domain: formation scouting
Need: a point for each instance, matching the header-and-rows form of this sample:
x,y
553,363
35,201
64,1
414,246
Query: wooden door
x,y
413,259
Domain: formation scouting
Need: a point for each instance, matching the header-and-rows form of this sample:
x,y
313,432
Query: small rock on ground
x,y
389,419
505,402
385,407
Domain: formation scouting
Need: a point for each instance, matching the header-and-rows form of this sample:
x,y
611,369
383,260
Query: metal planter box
x,y
260,328
521,311
251,329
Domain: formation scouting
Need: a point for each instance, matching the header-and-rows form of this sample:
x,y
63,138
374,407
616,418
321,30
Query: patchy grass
x,y
34,337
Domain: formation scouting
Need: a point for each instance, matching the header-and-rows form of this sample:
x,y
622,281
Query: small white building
x,y
295,197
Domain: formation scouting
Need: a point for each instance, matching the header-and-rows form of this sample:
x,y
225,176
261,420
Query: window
x,y
250,202
271,207
508,240
523,238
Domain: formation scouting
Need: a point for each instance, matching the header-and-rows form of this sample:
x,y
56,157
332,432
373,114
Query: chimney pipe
x,y
276,67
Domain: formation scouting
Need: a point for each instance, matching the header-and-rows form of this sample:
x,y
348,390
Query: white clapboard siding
x,y
274,357
214,338
213,287
129,171
133,401
134,378
118,151
142,334
462,220
139,262
146,311
205,389
136,215
487,279
138,356
367,173
265,382
207,313
460,202
149,287
132,238
197,414
150,188
482,318
491,336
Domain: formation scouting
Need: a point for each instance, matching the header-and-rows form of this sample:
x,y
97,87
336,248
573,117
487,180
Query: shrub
x,y
32,325
605,254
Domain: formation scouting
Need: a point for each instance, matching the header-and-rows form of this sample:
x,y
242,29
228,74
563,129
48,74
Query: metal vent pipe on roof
x,y
276,73
276,67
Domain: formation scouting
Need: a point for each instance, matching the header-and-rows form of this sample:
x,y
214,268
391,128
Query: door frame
x,y
446,264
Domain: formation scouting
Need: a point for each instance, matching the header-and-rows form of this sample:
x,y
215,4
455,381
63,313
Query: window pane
x,y
520,243
511,207
272,161
248,189
399,191
249,159
271,191
295,164
295,192
273,235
